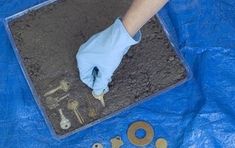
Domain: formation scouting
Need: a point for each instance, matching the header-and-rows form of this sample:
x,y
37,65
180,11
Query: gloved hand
x,y
98,58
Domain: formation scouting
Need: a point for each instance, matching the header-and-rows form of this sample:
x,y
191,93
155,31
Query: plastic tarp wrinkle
x,y
199,113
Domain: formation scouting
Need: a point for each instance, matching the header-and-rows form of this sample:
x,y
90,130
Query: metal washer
x,y
140,141
161,143
97,145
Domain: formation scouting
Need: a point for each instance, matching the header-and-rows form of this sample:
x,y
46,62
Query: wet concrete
x,y
48,40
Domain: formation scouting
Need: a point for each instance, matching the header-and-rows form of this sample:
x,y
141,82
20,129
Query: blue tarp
x,y
199,113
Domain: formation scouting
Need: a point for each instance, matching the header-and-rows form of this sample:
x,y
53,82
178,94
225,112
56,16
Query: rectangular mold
x,y
142,97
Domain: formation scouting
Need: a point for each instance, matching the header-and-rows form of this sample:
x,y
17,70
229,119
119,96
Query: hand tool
x,y
64,85
73,105
64,123
99,97
52,103
91,110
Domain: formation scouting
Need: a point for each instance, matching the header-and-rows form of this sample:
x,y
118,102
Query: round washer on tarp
x,y
131,133
97,145
161,143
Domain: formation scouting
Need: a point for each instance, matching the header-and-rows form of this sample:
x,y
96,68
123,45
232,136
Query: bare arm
x,y
139,13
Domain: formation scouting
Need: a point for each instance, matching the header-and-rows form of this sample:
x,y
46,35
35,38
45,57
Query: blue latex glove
x,y
99,57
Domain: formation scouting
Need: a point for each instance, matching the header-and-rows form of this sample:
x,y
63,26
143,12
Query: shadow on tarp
x,y
199,113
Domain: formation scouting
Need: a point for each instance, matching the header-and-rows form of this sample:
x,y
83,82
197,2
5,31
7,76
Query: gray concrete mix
x,y
48,40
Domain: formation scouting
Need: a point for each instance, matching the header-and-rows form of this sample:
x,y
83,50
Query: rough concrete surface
x,y
48,40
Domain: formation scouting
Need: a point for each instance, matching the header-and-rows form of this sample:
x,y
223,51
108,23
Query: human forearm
x,y
139,13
